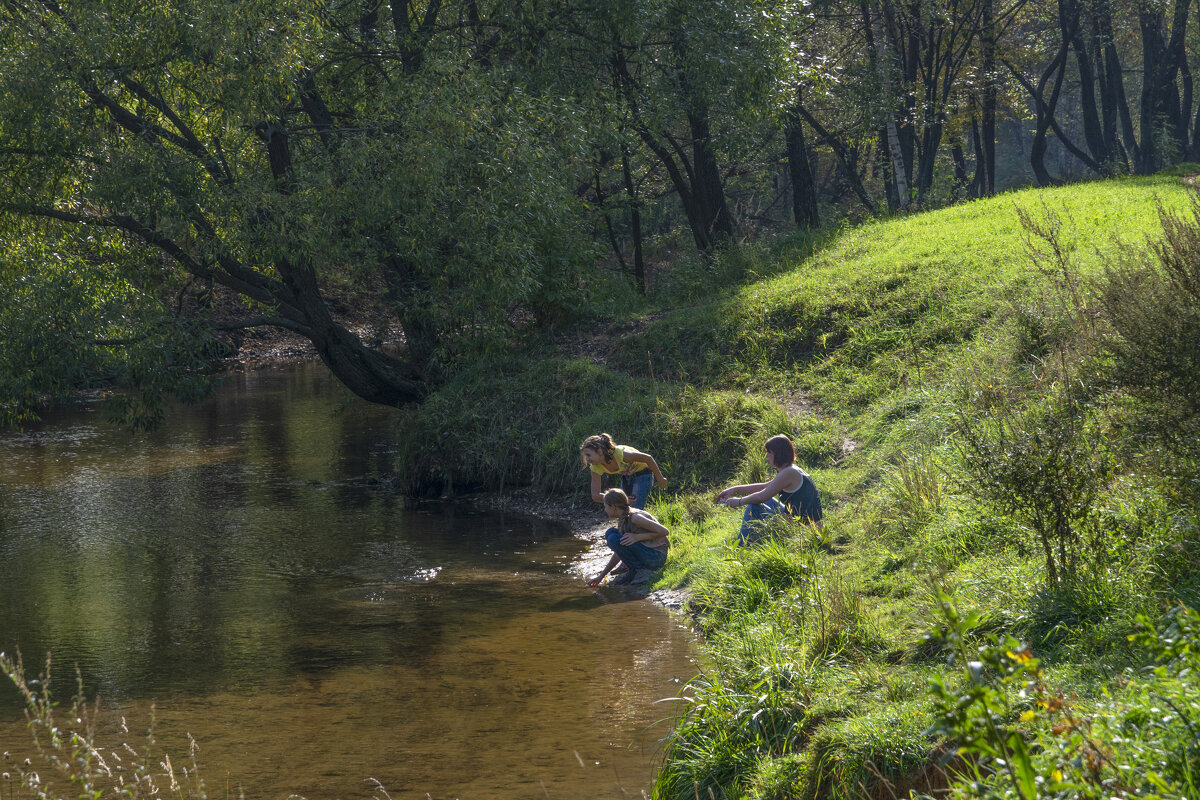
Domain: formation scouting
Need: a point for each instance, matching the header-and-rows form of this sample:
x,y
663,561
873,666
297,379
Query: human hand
x,y
629,538
662,483
594,582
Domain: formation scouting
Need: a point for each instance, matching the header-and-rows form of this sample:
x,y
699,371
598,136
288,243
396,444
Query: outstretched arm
x,y
761,491
597,495
612,562
738,491
648,460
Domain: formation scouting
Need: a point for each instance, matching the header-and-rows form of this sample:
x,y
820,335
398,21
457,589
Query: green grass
x,y
867,345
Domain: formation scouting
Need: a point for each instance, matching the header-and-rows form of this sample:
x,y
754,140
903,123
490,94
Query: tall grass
x,y
70,760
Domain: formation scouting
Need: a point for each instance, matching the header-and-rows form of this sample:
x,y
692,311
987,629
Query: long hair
x,y
602,443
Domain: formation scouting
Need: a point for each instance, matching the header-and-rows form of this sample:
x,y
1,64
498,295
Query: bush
x,y
1045,464
1153,306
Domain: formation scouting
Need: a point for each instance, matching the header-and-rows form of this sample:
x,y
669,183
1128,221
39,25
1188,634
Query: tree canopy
x,y
457,172
276,154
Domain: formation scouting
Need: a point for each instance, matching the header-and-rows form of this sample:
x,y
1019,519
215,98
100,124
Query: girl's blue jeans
x,y
753,518
636,555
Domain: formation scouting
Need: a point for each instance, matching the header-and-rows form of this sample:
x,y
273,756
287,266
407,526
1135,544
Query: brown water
x,y
243,570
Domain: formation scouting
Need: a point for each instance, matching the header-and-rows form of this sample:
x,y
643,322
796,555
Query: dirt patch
x,y
597,346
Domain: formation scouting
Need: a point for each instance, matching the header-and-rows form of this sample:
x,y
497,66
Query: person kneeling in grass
x,y
638,539
791,491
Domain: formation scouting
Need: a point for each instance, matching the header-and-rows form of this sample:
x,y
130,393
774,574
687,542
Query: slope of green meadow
x,y
882,349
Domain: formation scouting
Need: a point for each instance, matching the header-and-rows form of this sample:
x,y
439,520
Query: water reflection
x,y
237,568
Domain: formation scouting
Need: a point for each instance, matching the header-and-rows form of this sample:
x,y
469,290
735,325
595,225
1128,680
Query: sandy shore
x,y
586,520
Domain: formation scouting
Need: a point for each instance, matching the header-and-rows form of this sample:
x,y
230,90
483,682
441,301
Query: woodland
x,y
951,248
456,174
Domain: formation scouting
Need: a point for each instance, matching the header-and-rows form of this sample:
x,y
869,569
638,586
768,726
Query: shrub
x,y
1044,464
1152,302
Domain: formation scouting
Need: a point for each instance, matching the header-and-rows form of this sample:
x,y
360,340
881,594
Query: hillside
x,y
929,369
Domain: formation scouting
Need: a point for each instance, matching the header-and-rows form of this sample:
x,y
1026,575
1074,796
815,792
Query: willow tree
x,y
225,166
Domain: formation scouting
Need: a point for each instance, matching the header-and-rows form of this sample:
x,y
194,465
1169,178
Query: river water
x,y
242,571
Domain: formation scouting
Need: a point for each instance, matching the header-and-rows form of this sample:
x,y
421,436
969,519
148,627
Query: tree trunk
x,y
708,188
635,221
877,48
1093,131
1109,85
985,151
804,191
931,140
1154,56
1045,115
886,163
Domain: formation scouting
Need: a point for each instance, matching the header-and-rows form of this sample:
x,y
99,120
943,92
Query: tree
x,y
281,152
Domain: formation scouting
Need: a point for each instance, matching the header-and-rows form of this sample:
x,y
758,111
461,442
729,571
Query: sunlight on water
x,y
240,570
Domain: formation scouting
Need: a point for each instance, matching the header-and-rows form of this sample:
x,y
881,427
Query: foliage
x,y
1017,734
1153,306
64,333
275,157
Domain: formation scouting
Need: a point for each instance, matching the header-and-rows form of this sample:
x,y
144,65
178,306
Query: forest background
x,y
695,224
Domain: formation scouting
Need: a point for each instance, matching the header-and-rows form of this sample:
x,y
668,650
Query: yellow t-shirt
x,y
623,467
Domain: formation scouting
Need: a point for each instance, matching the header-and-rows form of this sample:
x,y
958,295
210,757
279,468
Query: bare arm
x,y
597,495
650,529
648,460
763,491
612,562
738,491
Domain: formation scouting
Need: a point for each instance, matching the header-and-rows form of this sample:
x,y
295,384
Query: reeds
x,y
69,761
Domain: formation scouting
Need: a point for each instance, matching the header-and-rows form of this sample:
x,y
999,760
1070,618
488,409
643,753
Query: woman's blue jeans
x,y
638,488
754,517
636,555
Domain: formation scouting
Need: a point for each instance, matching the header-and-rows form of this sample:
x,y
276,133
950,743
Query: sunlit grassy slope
x,y
863,344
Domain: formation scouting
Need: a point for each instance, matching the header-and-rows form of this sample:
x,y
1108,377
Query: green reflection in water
x,y
238,569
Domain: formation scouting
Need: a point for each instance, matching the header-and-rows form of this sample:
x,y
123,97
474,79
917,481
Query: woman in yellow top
x,y
638,470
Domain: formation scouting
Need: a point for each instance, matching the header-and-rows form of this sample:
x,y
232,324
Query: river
x,y
244,571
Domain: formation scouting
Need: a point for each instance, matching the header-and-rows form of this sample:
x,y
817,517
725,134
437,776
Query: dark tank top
x,y
804,503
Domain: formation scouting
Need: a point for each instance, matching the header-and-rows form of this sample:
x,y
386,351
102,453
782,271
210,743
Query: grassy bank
x,y
998,457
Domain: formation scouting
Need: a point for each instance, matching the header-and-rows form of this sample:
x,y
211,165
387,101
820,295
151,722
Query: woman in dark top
x,y
791,491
